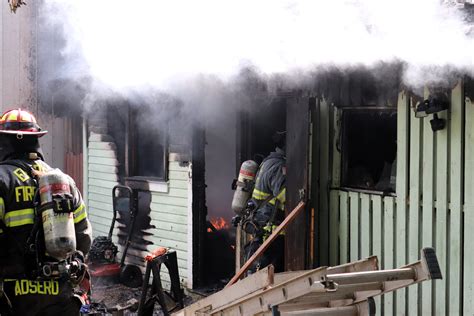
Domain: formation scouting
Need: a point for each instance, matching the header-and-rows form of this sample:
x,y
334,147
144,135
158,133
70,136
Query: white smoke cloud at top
x,y
153,42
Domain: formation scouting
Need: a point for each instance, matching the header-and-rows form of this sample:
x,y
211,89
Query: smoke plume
x,y
125,45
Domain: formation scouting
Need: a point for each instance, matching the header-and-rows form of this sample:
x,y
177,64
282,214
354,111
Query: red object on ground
x,y
156,253
104,270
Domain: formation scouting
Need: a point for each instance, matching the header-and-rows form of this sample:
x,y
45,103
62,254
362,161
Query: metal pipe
x,y
329,311
371,276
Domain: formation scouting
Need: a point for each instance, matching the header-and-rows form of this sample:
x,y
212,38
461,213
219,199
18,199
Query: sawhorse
x,y
157,294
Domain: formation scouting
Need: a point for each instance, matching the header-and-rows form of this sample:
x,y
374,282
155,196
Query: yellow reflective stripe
x,y
282,196
2,208
269,230
259,195
80,213
20,217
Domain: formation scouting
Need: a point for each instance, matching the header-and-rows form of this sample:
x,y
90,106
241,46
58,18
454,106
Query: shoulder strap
x,y
17,163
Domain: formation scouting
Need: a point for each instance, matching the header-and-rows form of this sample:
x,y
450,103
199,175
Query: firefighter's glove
x,y
77,268
236,220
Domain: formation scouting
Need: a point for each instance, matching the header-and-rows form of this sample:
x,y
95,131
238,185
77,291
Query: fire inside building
x,y
374,168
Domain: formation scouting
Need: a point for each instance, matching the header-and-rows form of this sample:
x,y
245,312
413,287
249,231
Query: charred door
x,y
297,153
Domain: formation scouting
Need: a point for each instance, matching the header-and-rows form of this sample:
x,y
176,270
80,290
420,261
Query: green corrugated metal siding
x,y
433,206
169,210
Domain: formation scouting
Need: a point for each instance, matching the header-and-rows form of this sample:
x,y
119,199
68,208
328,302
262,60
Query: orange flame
x,y
218,223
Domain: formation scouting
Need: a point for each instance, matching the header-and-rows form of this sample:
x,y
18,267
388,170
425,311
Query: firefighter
x,y
268,201
23,292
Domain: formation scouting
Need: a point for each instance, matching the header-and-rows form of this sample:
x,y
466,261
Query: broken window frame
x,y
341,147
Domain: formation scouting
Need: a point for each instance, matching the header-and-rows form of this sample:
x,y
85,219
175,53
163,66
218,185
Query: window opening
x,y
369,148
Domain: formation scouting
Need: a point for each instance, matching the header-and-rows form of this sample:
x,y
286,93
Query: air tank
x,y
244,186
57,214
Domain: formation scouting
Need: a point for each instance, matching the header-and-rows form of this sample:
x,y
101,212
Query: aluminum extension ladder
x,y
341,290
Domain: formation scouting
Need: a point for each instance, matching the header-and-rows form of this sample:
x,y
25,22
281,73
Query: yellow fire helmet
x,y
20,122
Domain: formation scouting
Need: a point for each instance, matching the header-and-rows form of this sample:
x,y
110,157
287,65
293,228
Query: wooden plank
x,y
377,237
427,303
100,190
454,293
170,209
100,198
102,145
103,176
365,225
282,227
102,183
334,228
103,161
354,233
169,235
172,227
99,205
441,235
469,209
102,153
171,218
403,130
344,227
169,200
178,175
102,168
389,249
253,283
175,192
174,166
105,215
178,184
414,198
163,242
102,138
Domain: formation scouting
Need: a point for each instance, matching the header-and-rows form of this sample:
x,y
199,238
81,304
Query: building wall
x,y
170,204
433,207
19,75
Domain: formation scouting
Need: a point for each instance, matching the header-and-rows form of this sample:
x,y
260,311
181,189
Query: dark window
x,y
148,146
369,148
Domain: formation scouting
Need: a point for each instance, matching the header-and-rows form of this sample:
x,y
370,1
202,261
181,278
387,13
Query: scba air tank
x,y
57,214
244,186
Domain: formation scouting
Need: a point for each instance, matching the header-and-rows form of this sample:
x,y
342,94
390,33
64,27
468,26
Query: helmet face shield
x,y
20,122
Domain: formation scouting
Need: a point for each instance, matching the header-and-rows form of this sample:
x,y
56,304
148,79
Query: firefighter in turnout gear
x,y
25,287
268,201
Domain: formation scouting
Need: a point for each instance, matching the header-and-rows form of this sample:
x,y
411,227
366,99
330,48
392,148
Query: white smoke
x,y
157,43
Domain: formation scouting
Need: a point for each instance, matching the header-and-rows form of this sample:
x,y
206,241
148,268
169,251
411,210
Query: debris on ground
x,y
106,298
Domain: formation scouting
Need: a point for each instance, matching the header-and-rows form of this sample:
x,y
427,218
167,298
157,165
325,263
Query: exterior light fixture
x,y
433,105
437,123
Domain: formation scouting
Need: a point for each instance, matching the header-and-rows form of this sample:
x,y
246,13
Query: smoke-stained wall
x,y
221,162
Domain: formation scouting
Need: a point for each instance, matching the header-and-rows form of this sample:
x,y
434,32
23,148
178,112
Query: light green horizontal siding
x,y
169,210
102,177
170,216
